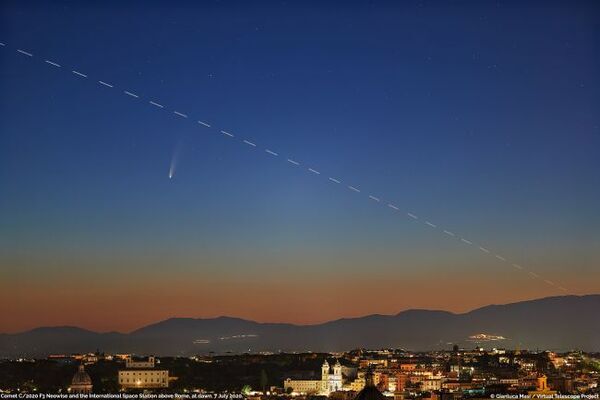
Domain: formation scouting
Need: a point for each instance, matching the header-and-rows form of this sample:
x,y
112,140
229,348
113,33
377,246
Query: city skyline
x,y
120,209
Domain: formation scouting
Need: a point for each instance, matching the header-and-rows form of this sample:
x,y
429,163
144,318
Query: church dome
x,y
81,378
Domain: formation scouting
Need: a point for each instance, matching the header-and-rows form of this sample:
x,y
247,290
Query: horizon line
x,y
295,324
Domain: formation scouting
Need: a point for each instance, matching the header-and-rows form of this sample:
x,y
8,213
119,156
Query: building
x,y
361,380
408,367
141,363
370,391
401,380
431,384
329,382
81,382
541,388
142,374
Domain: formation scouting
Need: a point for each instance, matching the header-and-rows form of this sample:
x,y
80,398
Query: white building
x,y
142,374
329,382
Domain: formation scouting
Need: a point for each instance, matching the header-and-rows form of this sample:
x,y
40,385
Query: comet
x,y
174,159
172,166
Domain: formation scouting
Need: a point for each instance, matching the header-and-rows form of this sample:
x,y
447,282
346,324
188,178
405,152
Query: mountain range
x,y
553,323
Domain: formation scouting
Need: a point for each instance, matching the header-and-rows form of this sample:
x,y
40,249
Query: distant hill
x,y
555,323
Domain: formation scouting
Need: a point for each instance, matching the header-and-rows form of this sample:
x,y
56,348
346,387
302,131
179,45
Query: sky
x,y
477,117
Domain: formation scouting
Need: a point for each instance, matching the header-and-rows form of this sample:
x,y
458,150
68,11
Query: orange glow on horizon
x,y
122,306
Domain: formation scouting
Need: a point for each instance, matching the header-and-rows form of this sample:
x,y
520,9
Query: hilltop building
x,y
143,374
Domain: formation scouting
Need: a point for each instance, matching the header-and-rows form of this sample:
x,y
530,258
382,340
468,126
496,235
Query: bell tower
x,y
337,369
325,371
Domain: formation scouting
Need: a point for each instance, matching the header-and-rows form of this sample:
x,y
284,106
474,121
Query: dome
x,y
81,382
370,391
81,377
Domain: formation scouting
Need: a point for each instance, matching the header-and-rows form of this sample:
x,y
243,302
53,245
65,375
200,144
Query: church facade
x,y
330,381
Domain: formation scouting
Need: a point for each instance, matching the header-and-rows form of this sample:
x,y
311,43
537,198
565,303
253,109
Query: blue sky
x,y
480,117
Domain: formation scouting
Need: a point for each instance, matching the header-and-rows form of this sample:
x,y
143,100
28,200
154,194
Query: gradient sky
x,y
480,116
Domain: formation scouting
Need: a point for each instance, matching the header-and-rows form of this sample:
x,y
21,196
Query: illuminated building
x,y
541,388
329,382
370,391
81,382
360,382
431,384
142,374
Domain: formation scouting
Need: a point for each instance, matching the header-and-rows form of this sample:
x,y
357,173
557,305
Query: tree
x,y
246,389
264,380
